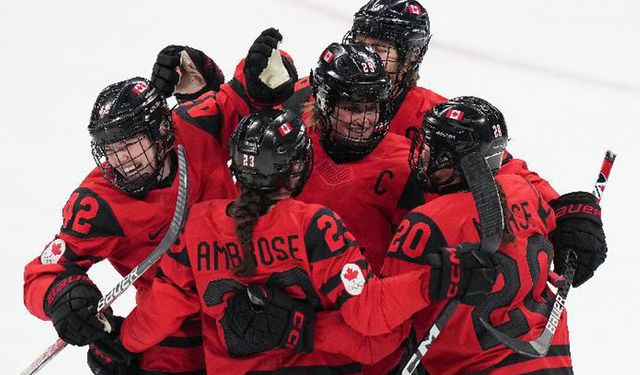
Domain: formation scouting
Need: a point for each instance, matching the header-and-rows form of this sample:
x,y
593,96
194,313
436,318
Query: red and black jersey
x,y
101,222
372,194
302,248
408,118
521,300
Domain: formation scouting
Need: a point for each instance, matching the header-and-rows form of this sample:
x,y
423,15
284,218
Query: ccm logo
x,y
455,273
294,335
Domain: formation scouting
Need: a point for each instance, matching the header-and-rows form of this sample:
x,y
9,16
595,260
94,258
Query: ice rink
x,y
565,73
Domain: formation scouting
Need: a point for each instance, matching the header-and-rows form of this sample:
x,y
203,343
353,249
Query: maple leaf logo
x,y
55,248
350,274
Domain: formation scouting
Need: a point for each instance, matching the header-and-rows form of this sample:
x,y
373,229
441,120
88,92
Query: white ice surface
x,y
564,72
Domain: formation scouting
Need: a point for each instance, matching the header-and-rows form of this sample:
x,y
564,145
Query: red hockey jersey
x,y
408,118
101,222
304,249
521,300
372,195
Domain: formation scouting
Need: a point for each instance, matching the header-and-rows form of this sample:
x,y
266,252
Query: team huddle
x,y
332,219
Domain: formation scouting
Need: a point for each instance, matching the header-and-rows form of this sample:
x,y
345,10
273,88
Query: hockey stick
x,y
487,199
168,240
540,346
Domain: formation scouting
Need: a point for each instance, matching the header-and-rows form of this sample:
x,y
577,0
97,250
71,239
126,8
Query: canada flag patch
x,y
455,114
328,56
53,252
352,279
285,129
139,87
414,9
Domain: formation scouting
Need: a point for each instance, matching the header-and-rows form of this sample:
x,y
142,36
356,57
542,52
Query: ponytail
x,y
246,210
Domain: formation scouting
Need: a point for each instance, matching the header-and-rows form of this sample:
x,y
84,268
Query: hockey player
x,y
521,301
267,237
360,171
119,212
399,31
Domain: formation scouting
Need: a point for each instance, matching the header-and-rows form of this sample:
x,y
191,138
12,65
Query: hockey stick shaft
x,y
487,200
540,346
168,239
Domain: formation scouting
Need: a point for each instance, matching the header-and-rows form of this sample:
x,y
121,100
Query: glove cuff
x,y
577,205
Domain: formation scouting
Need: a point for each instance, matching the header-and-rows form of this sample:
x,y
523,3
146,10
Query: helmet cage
x,y
403,23
112,135
452,130
344,86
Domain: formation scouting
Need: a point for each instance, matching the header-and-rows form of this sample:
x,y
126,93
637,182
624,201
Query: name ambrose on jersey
x,y
214,255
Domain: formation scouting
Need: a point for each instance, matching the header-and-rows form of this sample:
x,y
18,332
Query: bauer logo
x,y
328,56
53,252
352,279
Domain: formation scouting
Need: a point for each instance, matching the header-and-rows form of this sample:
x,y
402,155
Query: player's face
x,y
440,171
387,52
354,121
134,157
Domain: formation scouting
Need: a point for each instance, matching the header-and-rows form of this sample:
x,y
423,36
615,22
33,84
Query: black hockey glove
x,y
257,62
71,302
578,228
165,78
108,357
462,272
264,319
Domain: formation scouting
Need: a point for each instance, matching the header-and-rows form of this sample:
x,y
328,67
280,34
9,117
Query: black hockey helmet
x,y
270,149
131,131
404,23
451,130
351,75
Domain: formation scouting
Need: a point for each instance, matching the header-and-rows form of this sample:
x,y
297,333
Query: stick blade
x,y
534,348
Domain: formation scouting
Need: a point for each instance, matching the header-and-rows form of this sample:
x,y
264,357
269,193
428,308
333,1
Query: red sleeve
x,y
330,328
511,165
341,274
172,299
90,232
416,236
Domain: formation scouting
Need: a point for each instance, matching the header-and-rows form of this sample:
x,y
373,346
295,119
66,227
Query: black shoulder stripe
x,y
211,124
326,236
87,215
410,244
